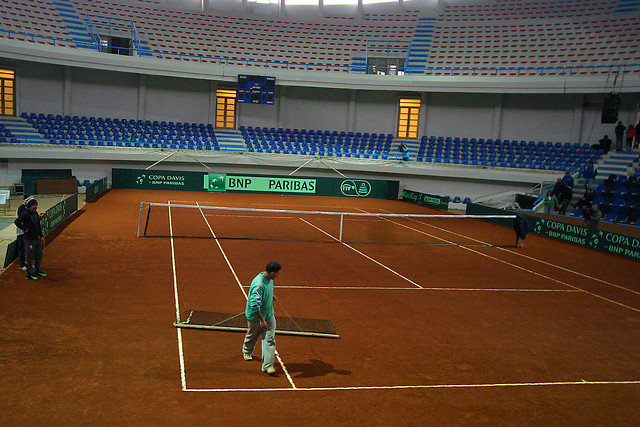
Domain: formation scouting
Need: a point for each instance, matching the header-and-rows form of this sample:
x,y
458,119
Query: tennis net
x,y
221,222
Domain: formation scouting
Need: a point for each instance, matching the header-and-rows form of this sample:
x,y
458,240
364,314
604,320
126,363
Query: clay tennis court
x,y
458,327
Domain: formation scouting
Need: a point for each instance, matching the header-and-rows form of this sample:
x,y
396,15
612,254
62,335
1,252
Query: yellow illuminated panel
x,y
225,109
7,95
408,117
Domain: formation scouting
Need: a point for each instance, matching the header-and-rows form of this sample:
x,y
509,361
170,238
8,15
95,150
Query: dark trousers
x,y
33,256
20,244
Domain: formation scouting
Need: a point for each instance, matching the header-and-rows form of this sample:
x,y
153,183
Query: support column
x,y
496,124
142,97
282,102
66,91
211,116
578,116
351,112
424,107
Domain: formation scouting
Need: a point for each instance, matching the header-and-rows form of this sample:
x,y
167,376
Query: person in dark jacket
x,y
521,227
567,195
20,234
29,222
587,199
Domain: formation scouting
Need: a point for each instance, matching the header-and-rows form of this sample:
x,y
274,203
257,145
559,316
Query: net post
x,y
341,221
140,218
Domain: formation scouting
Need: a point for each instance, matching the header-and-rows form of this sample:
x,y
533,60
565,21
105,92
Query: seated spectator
x,y
603,144
592,217
550,202
586,200
589,173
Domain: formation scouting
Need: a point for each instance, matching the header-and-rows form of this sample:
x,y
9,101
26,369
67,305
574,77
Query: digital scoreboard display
x,y
256,89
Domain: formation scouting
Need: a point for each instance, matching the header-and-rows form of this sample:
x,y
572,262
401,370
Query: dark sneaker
x,y
42,274
32,277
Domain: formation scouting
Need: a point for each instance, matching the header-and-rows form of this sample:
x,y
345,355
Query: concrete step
x,y
22,130
230,140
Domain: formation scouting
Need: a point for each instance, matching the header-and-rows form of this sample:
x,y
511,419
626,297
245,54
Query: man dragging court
x,y
261,319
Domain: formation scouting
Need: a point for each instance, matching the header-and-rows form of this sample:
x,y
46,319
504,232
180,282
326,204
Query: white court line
x,y
282,365
586,276
424,386
183,378
364,255
518,267
383,288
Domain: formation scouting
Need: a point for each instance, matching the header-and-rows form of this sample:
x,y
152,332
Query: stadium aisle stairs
x,y
614,163
74,22
418,56
411,144
231,140
22,130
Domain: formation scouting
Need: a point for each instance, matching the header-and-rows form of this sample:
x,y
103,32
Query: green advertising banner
x,y
606,241
220,182
618,244
428,200
56,214
95,189
224,182
157,179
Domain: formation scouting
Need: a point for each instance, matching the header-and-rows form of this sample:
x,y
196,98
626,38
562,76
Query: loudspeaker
x,y
610,108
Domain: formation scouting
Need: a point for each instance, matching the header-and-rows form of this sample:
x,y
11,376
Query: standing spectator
x,y
589,173
558,188
619,131
592,217
567,195
29,222
20,233
261,319
568,179
550,202
631,136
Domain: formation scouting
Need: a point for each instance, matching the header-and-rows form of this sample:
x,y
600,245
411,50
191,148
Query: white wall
x,y
45,88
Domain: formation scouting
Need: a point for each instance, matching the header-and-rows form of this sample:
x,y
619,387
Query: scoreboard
x,y
256,89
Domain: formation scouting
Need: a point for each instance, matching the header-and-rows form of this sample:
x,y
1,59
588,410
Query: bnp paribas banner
x,y
597,239
341,187
200,181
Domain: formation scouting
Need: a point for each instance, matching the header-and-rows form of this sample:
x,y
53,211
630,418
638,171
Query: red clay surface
x,y
431,334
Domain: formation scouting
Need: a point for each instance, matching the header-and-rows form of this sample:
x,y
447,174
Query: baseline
x,y
420,386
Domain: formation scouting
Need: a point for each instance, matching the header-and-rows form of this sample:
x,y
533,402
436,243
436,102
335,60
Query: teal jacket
x,y
260,298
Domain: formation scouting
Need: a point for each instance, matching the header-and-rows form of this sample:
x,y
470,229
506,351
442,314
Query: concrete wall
x,y
55,89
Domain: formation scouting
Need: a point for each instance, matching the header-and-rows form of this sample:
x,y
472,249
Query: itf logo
x,y
355,188
140,179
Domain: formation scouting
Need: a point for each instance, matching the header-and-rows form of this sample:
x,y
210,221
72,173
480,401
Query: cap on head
x,y
31,203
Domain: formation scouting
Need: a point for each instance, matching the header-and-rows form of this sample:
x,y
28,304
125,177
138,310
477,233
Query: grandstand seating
x,y
515,37
506,153
321,143
113,132
618,197
91,131
294,44
522,37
